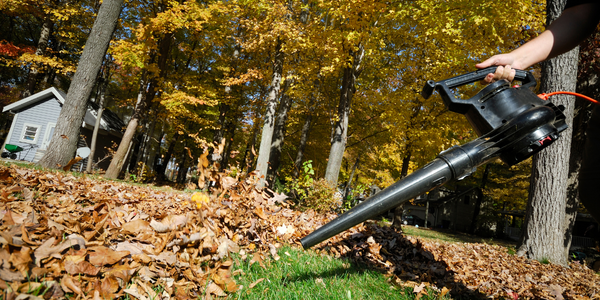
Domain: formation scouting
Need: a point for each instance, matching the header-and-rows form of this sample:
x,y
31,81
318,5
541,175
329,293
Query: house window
x,y
30,133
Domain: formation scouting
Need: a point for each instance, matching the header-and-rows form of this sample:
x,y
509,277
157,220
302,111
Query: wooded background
x,y
272,85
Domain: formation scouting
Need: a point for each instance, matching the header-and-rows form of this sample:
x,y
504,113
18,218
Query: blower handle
x,y
445,85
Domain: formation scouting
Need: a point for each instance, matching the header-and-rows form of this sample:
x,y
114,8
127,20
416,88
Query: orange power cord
x,y
546,96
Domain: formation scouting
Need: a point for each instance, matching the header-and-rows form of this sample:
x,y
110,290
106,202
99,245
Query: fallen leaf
x,y
101,256
255,283
214,289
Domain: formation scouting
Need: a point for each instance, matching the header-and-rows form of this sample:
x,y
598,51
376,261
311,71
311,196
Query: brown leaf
x,y
21,260
71,163
100,256
255,283
260,213
47,249
108,287
83,267
135,292
214,289
69,285
136,226
10,276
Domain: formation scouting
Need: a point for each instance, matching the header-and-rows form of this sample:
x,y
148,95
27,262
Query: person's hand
x,y
505,63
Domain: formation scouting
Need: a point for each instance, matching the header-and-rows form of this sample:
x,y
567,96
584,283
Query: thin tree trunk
x,y
116,165
64,141
340,132
118,160
349,184
279,134
231,126
264,151
161,171
32,78
249,153
182,172
543,235
479,199
304,138
102,93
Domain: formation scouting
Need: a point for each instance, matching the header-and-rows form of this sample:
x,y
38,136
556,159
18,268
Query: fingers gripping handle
x,y
444,86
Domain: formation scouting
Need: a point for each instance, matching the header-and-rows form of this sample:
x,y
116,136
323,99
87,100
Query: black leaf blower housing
x,y
512,123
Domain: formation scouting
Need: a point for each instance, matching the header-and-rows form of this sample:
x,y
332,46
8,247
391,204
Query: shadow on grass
x,y
454,236
388,251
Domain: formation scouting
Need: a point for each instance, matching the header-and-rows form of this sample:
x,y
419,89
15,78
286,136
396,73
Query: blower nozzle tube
x,y
446,167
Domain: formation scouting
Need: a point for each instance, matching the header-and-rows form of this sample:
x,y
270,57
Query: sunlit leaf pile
x,y
87,238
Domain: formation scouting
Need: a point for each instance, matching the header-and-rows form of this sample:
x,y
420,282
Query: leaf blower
x,y
512,123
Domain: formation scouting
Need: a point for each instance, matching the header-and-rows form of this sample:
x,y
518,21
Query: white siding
x,y
41,114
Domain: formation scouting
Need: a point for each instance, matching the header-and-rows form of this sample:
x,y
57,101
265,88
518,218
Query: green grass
x,y
307,275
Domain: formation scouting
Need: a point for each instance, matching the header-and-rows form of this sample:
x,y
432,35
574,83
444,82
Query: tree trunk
x,y
264,151
231,126
64,141
248,159
304,138
543,236
32,77
340,131
102,93
220,131
182,172
116,165
479,199
160,173
118,160
347,188
279,134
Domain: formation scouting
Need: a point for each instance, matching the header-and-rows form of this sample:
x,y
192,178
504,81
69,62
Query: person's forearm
x,y
534,51
564,34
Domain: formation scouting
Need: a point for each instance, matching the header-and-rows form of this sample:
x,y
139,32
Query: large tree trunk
x,y
32,77
116,164
340,131
64,141
587,84
264,151
543,236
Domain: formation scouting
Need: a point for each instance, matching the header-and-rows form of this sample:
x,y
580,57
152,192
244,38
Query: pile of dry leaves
x,y
96,239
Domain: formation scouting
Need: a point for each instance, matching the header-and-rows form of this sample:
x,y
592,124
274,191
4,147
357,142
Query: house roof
x,y
109,122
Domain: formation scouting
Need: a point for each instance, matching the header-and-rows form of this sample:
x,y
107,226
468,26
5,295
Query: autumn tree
x,y
544,232
64,141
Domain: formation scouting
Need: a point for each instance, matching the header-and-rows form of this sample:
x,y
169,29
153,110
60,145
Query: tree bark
x,y
264,151
102,94
64,141
349,184
543,236
160,173
304,138
340,131
279,134
32,77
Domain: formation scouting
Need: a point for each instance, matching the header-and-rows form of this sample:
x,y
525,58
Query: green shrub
x,y
311,193
321,197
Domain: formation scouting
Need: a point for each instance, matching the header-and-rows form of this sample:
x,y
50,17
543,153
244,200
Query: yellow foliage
x,y
200,199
